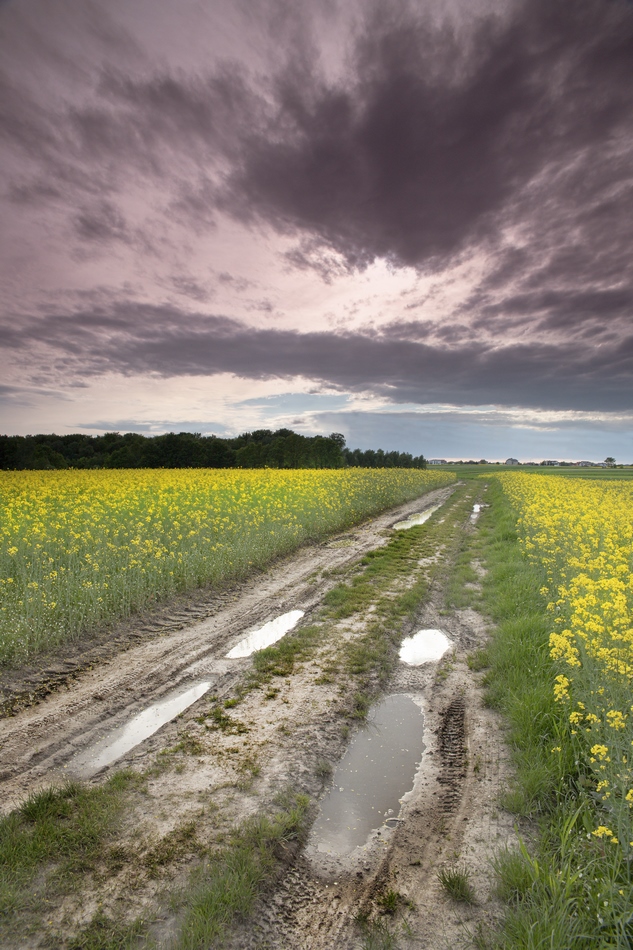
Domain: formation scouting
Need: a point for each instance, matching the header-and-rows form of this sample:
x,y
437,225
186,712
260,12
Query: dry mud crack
x,y
230,754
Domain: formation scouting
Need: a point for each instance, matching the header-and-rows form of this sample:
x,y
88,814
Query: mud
x,y
452,815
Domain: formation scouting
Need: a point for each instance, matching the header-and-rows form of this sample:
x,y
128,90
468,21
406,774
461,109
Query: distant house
x,y
511,462
438,462
584,464
550,462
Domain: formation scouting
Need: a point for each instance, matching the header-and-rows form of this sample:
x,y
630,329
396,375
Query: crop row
x,y
582,533
81,548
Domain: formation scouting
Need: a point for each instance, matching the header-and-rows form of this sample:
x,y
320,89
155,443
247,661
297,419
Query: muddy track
x,y
73,704
451,817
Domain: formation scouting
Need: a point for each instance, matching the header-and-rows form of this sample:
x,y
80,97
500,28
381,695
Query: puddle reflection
x,y
413,520
141,727
377,770
267,635
424,647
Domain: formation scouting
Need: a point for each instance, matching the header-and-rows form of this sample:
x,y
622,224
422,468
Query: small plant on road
x,y
456,883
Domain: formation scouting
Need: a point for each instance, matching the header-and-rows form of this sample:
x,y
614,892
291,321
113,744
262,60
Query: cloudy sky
x,y
410,222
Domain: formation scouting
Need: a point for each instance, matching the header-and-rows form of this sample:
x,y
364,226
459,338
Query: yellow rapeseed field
x,y
582,532
81,547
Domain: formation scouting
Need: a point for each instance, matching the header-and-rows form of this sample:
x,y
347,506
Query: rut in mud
x,y
282,720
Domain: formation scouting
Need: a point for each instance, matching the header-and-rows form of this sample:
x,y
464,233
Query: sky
x,y
409,222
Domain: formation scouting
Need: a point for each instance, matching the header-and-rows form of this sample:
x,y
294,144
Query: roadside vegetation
x,y
79,549
559,665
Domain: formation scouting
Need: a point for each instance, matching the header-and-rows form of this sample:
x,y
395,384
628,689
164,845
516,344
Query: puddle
x,y
377,770
141,727
423,647
475,512
268,634
414,520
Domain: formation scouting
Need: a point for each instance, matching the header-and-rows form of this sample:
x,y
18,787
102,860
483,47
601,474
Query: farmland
x,y
518,834
569,639
81,548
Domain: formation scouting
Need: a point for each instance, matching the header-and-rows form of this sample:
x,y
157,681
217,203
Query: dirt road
x,y
230,753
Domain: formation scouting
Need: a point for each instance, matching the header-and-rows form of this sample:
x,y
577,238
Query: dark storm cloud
x,y
424,148
434,136
102,222
139,339
505,134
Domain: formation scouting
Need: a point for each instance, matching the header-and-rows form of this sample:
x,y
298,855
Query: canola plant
x,y
582,533
78,548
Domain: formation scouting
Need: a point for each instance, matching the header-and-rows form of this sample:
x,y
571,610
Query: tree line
x,y
262,448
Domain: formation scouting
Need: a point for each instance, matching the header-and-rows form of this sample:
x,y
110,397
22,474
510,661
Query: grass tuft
x,y
456,883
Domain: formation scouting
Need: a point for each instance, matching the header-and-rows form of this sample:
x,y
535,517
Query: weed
x,y
55,837
445,668
378,935
225,723
104,933
174,845
361,705
389,901
480,937
323,769
515,875
456,883
189,745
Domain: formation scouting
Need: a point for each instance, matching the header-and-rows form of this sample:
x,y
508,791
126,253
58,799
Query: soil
x,y
282,735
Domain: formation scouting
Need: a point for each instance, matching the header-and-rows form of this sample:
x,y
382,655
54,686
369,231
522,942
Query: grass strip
x,y
569,890
225,888
371,658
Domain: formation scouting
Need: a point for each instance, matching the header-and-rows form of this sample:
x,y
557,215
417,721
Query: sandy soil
x,y
203,780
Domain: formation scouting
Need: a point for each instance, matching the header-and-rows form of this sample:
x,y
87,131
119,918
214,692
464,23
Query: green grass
x,y
456,883
567,890
53,840
371,658
475,471
106,933
225,888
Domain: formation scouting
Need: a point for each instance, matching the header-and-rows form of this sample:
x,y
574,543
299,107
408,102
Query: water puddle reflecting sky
x,y
424,647
413,520
475,512
377,770
141,727
267,635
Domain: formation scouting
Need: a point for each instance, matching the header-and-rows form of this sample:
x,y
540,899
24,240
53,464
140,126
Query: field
x,y
518,834
81,548
563,671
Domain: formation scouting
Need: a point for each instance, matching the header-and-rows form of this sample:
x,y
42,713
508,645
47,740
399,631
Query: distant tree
x,y
610,460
